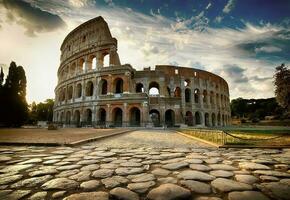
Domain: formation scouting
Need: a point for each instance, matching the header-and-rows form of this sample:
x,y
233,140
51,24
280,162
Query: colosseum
x,y
95,89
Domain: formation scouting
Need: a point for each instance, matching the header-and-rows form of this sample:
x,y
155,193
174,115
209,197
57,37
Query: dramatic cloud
x,y
32,18
229,6
268,49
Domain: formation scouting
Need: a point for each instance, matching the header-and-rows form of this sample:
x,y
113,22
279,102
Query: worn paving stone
x,y
108,166
141,187
12,168
123,194
61,184
69,167
103,173
44,171
31,182
222,167
5,158
221,173
252,166
90,185
245,178
160,172
123,171
131,164
175,166
169,192
195,175
142,177
10,179
18,194
90,167
272,173
167,180
285,181
58,194
227,185
276,190
88,196
265,178
207,198
114,181
196,186
81,176
200,167
38,196
67,173
247,195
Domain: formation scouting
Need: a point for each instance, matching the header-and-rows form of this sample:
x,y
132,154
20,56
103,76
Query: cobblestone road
x,y
106,170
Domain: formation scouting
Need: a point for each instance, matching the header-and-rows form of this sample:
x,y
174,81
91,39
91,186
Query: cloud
x,y
268,49
234,72
79,3
229,6
218,19
32,18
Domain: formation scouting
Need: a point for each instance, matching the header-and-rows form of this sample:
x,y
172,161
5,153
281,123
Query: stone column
x,y
109,115
83,89
94,115
145,113
125,115
99,60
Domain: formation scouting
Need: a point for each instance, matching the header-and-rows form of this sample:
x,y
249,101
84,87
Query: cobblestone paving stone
x,y
129,167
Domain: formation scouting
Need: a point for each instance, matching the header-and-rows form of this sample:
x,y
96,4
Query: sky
x,y
241,40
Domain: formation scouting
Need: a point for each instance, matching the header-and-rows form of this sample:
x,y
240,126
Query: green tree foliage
x,y
255,108
13,111
282,86
41,111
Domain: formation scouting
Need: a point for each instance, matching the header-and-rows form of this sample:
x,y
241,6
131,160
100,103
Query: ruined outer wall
x,y
91,92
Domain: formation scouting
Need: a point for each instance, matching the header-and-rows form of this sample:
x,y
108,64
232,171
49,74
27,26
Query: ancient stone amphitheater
x,y
95,89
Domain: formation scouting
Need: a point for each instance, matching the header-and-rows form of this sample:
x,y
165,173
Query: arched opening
x,y
94,63
204,97
196,96
217,99
168,92
154,88
118,86
81,65
177,92
106,60
79,90
139,88
155,117
213,120
77,118
67,118
169,118
88,117
222,100
70,92
219,119
197,118
223,120
135,117
103,86
188,118
187,95
89,89
73,69
186,82
102,116
118,116
206,119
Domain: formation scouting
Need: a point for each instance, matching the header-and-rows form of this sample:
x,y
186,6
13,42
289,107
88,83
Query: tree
x,y
1,77
282,86
14,111
41,111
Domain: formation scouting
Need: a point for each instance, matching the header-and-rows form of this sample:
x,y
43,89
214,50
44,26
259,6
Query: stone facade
x,y
93,92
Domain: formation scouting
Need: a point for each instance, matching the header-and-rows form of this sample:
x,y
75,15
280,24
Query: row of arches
x,y
91,62
77,91
117,118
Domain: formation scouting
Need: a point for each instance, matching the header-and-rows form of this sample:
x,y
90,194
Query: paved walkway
x,y
181,170
150,138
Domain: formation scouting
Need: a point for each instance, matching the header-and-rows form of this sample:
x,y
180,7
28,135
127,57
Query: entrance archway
x,y
169,118
188,118
206,119
118,116
102,116
118,86
88,117
77,118
155,117
135,117
213,120
197,118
